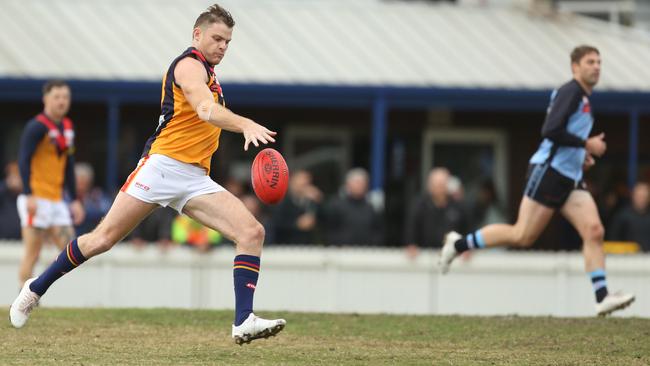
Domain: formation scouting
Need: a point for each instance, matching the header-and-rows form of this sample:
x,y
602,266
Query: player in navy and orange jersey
x,y
174,171
555,182
46,164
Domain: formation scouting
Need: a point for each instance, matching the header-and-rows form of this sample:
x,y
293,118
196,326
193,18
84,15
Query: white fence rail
x,y
339,280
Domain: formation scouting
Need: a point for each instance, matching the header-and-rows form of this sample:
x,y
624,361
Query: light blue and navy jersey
x,y
565,130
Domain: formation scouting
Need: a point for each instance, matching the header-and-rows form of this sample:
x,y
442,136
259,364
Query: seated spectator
x,y
95,202
632,223
157,228
433,215
10,188
350,219
294,219
186,230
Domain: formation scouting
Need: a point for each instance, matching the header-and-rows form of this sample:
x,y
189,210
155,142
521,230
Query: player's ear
x,y
196,33
574,67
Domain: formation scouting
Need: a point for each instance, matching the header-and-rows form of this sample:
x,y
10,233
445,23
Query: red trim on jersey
x,y
200,55
60,139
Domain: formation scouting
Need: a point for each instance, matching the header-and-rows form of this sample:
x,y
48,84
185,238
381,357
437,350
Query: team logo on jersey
x,y
586,107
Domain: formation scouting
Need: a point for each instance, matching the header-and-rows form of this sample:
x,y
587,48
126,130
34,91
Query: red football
x,y
270,176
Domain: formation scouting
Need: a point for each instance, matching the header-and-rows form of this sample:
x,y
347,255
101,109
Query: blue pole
x,y
113,131
633,149
378,149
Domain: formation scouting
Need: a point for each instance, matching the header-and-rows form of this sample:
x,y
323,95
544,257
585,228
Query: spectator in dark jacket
x,y
632,223
433,215
350,218
10,188
294,219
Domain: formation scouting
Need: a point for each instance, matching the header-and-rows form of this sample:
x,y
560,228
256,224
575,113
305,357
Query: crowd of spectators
x,y
347,218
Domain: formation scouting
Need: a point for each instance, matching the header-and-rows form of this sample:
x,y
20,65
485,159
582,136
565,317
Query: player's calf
x,y
97,242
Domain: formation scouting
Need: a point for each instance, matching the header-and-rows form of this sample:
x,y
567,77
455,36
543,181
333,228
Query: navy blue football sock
x,y
68,260
470,242
599,283
245,273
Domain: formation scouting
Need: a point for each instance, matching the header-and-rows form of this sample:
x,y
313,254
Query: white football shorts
x,y
168,182
48,213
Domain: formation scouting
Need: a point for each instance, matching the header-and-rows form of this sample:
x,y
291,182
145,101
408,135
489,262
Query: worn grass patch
x,y
184,337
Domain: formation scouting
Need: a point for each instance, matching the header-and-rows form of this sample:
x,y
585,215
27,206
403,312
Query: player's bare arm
x,y
191,76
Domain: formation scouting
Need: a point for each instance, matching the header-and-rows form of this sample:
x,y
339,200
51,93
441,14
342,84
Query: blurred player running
x,y
46,164
555,182
174,171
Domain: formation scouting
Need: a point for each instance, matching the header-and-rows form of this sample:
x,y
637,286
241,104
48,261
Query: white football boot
x,y
255,327
448,252
612,302
23,305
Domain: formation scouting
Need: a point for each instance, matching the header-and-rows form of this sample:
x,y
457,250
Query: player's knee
x,y
252,236
524,239
257,234
595,232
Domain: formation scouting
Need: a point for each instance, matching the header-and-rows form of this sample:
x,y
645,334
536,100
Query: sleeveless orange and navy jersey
x,y
181,134
45,158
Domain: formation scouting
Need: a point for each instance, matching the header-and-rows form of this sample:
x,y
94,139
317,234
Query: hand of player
x,y
255,133
589,162
31,205
596,145
78,212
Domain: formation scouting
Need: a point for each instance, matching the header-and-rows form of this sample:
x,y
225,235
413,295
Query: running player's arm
x,y
190,75
69,181
32,135
563,106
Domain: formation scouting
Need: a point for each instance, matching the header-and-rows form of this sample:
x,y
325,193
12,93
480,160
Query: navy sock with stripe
x,y
245,273
68,260
470,242
599,283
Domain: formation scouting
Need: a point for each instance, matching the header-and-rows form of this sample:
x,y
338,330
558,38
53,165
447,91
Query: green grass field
x,y
182,337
